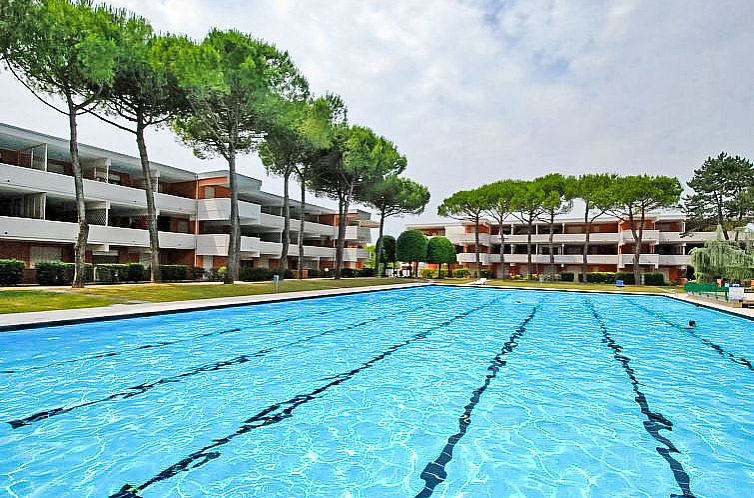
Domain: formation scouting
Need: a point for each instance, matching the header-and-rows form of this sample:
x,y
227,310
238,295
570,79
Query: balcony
x,y
317,229
559,238
644,259
217,245
469,238
626,237
32,180
470,257
63,232
360,234
354,254
218,209
674,259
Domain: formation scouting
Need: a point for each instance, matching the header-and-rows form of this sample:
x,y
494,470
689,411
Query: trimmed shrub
x,y
197,272
600,277
461,273
11,271
136,272
628,278
111,273
347,273
427,273
566,276
173,272
487,274
249,274
367,272
654,279
312,273
59,273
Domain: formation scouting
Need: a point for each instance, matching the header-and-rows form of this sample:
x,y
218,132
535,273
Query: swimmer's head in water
x,y
692,323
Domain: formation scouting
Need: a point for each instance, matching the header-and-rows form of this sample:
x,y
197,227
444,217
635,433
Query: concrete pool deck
x,y
35,319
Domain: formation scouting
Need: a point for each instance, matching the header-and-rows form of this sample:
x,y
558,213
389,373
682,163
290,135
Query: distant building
x,y
611,246
38,216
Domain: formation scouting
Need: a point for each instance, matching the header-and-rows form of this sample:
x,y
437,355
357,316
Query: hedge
x,y
249,274
11,271
114,273
59,273
628,278
600,277
173,272
461,273
367,272
654,279
566,276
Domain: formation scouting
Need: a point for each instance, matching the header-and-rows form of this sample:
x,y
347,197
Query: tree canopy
x,y
440,251
411,246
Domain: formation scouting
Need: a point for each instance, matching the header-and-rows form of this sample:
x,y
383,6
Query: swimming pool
x,y
434,391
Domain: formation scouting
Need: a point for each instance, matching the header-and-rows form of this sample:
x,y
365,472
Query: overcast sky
x,y
475,91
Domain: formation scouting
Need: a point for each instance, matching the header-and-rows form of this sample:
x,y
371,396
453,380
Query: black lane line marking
x,y
738,360
161,344
434,473
655,421
281,411
137,390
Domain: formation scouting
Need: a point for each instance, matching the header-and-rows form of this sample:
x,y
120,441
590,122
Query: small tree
x,y
723,193
498,202
411,247
393,196
722,259
467,205
595,191
440,250
528,205
635,196
68,49
387,242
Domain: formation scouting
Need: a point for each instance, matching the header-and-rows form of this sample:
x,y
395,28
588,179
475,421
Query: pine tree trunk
x,y
637,247
528,250
340,244
154,240
283,264
79,276
476,248
550,245
301,228
501,232
584,260
234,246
379,244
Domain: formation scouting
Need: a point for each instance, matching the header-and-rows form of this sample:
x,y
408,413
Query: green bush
x,y
59,273
11,271
566,276
460,273
136,272
111,273
173,272
427,273
600,277
249,274
312,273
347,272
654,279
628,278
487,274
197,273
367,272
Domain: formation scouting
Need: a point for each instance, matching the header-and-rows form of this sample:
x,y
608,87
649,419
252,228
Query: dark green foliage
x,y
11,271
367,272
487,274
566,276
600,277
59,273
654,279
388,248
173,272
440,251
348,273
461,273
249,274
197,273
136,272
411,246
111,273
313,273
628,278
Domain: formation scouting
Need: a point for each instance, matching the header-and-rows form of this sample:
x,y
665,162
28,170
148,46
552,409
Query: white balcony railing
x,y
218,209
674,259
644,259
58,231
354,254
217,245
27,179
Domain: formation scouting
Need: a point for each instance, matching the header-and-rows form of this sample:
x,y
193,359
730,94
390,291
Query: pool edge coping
x,y
39,319
686,298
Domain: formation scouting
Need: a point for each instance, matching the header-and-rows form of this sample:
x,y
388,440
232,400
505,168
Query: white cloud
x,y
479,90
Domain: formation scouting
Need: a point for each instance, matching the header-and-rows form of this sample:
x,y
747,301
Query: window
x,y
209,192
39,254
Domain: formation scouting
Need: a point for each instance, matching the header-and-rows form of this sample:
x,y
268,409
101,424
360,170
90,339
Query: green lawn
x,y
22,300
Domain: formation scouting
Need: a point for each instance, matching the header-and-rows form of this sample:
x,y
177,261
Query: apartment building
x,y
611,247
38,219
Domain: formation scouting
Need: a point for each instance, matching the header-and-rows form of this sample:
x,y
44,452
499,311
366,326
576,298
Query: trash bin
x,y
619,283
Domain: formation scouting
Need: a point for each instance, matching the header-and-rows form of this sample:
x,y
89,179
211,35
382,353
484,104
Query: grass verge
x,y
535,284
25,300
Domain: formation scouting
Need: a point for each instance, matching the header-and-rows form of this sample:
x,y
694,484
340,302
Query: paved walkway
x,y
747,312
14,321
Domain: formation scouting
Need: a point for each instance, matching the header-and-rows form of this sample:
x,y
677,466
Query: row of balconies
x,y
621,260
625,237
218,209
101,237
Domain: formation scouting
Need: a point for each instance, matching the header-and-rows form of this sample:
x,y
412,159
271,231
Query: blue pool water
x,y
438,391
